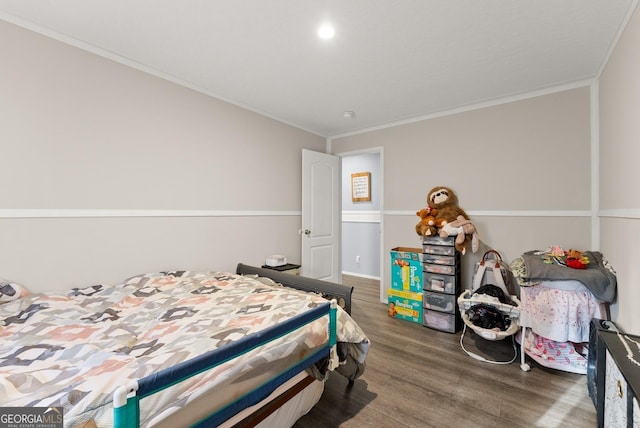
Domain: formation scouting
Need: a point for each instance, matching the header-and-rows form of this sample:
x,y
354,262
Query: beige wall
x,y
521,171
620,173
81,132
536,154
507,147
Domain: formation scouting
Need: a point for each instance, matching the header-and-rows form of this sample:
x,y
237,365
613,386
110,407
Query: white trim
x,y
549,213
471,107
71,213
366,216
383,250
595,163
621,213
361,216
370,150
359,275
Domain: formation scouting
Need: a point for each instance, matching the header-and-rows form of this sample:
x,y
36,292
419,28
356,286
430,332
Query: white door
x,y
320,231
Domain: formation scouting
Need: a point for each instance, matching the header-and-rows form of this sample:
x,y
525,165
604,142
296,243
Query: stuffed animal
x,y
426,225
464,231
557,255
576,259
445,202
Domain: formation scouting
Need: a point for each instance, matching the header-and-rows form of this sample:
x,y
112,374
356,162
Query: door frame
x,y
380,152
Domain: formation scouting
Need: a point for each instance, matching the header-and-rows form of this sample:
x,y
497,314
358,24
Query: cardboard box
x,y
405,305
406,269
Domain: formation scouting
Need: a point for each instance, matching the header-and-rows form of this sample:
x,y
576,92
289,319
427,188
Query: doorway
x,y
362,227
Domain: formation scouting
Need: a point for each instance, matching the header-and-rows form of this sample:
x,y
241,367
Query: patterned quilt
x,y
74,349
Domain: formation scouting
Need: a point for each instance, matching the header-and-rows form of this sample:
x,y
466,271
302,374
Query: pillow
x,y
11,291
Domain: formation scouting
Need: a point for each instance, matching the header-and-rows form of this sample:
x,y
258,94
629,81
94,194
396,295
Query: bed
x,y
179,348
558,304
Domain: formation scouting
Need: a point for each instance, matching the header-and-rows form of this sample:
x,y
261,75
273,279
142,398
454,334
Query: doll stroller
x,y
489,309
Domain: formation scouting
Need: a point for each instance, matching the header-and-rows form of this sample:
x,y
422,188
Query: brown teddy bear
x,y
445,202
426,225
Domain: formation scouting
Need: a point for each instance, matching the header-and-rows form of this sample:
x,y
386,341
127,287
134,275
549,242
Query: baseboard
x,y
377,278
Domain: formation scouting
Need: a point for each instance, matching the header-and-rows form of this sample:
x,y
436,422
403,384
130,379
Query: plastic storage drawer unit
x,y
442,283
441,321
442,269
439,260
440,250
437,240
440,302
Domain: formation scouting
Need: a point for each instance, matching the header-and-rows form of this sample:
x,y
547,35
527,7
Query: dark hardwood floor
x,y
419,377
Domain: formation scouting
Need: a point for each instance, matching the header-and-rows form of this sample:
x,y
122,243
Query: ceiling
x,y
390,60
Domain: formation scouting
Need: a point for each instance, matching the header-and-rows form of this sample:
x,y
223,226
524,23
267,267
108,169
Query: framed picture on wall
x,y
361,187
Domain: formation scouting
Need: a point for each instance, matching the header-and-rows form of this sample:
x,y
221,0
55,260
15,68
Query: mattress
x,y
285,413
74,349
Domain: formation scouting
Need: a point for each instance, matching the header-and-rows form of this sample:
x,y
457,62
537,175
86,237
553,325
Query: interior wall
x,y
108,171
521,170
619,98
82,133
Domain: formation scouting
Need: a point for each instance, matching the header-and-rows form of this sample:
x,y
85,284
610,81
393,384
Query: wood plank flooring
x,y
419,377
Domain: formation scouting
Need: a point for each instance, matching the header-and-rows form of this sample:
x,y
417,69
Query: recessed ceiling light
x,y
326,31
350,114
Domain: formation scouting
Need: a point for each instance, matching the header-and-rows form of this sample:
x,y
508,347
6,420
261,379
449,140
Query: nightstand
x,y
288,268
